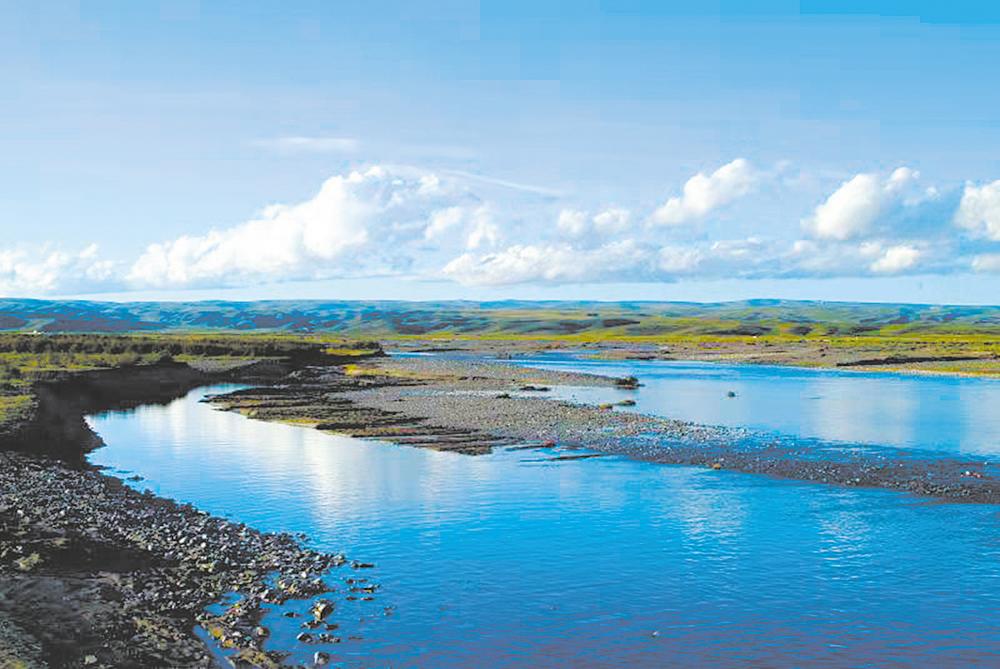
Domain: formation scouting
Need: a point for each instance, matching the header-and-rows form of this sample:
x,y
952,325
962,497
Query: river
x,y
513,560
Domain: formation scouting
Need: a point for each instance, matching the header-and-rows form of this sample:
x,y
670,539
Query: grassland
x,y
976,353
944,346
943,339
26,359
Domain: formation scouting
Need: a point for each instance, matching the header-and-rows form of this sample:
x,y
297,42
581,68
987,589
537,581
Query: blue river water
x,y
954,415
512,560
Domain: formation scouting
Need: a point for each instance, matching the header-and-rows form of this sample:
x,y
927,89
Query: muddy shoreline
x,y
472,406
94,573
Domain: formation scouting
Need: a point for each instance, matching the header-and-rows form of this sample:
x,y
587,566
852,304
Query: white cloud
x,y
612,221
44,270
378,210
988,263
737,249
300,144
979,210
555,263
577,224
853,209
484,232
901,178
896,259
443,221
405,221
572,223
679,259
706,193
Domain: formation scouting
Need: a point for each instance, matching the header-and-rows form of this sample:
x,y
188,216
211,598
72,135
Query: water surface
x,y
953,415
510,560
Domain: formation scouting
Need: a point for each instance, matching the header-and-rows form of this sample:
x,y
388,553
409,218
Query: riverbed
x,y
512,559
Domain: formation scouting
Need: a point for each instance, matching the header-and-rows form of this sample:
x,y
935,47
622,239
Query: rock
x,y
28,562
90,659
321,609
304,637
731,393
320,658
627,403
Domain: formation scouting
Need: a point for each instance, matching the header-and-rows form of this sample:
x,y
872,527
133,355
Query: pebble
x,y
60,514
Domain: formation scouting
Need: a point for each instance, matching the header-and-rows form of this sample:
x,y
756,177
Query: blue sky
x,y
608,150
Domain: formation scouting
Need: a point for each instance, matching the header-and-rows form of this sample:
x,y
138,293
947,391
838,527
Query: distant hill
x,y
626,319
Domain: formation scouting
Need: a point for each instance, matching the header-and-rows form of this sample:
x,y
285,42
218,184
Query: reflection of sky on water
x,y
957,415
510,560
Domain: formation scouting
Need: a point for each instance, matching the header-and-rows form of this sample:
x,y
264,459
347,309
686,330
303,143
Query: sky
x,y
615,149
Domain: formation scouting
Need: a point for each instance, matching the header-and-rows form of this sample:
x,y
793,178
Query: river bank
x,y
472,406
97,574
94,573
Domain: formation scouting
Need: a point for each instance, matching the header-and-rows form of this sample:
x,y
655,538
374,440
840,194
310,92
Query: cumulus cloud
x,y
979,210
483,232
895,259
405,221
577,224
704,193
572,223
612,221
676,260
852,210
44,270
556,263
377,210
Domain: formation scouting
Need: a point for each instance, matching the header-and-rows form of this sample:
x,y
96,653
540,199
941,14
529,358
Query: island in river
x,y
98,574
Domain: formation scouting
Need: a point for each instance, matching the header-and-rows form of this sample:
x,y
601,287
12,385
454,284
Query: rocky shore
x,y
96,574
472,406
93,573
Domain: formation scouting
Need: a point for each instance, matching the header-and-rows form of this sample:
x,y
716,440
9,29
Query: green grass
x,y
15,409
28,358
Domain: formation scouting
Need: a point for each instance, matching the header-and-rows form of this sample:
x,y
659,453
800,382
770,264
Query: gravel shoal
x,y
94,573
473,406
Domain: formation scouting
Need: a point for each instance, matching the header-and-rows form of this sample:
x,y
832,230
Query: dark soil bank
x,y
57,427
93,573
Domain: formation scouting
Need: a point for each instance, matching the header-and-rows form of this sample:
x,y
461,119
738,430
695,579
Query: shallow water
x,y
953,415
510,560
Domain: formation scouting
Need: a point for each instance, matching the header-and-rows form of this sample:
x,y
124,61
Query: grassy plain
x,y
928,347
26,359
46,339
